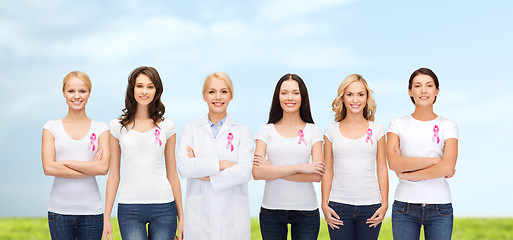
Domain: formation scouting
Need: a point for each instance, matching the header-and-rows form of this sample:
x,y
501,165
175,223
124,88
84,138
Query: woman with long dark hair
x,y
74,150
150,193
422,149
290,140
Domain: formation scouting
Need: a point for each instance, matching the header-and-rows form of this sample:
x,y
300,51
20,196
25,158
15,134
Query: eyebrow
x,y
430,81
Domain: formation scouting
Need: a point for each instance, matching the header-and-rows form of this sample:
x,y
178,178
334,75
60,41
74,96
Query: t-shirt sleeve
x,y
328,133
50,126
263,134
380,130
115,128
169,128
102,127
451,130
316,134
393,126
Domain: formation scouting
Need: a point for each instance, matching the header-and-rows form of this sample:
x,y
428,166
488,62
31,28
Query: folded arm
x,y
401,164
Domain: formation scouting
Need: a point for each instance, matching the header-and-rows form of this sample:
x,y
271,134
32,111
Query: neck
x,y
216,117
424,113
291,118
142,112
354,118
76,115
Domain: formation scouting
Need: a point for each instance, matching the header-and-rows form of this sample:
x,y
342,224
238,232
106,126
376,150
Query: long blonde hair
x,y
340,109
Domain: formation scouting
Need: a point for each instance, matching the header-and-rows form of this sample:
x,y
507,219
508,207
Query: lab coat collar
x,y
206,125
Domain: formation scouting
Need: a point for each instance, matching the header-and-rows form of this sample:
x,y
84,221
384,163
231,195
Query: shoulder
x,y
166,123
447,121
313,126
375,125
115,124
50,124
331,126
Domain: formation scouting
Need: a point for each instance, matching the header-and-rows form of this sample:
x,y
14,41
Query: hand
x,y
314,167
180,230
223,164
401,175
190,152
260,161
378,217
452,175
98,155
331,217
107,230
207,178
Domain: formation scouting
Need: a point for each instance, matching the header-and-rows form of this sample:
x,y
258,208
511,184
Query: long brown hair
x,y
156,109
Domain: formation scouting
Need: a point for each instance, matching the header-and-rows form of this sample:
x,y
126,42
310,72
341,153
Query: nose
x,y
76,94
144,90
423,89
289,96
218,95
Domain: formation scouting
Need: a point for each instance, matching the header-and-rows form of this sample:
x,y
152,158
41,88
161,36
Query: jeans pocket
x,y
52,217
444,209
265,211
98,217
400,208
310,213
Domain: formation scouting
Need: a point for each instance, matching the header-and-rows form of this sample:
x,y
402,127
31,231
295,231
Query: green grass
x,y
464,228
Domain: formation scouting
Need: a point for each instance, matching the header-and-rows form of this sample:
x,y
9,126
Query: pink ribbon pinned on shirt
x,y
301,137
157,137
91,143
229,145
369,135
436,130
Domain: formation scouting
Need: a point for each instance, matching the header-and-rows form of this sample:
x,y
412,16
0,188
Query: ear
x,y
437,91
204,97
410,93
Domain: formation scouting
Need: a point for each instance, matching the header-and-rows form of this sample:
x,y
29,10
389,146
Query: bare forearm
x,y
90,168
274,172
326,183
303,177
110,194
439,170
57,169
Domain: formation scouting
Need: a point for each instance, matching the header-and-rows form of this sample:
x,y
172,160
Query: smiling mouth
x,y
76,102
290,104
424,98
355,105
144,97
218,104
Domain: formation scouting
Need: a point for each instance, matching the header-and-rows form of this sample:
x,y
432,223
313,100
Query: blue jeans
x,y
304,225
407,218
354,218
160,217
75,226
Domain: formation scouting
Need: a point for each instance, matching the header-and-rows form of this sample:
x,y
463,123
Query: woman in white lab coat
x,y
215,154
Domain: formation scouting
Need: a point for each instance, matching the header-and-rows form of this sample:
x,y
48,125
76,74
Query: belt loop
x,y
423,205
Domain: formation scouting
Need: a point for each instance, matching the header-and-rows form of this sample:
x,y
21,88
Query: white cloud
x,y
290,9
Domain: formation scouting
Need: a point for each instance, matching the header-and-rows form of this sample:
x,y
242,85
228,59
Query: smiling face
x,y
144,90
355,98
217,95
290,96
423,90
76,93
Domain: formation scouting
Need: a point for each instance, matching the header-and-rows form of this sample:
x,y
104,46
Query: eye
x,y
349,94
361,94
71,91
82,91
151,87
283,93
224,91
211,92
430,85
138,86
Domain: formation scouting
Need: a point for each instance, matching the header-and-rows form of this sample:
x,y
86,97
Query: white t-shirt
x,y
75,196
423,139
354,162
282,151
143,163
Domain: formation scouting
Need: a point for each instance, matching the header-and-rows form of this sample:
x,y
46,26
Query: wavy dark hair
x,y
156,109
276,112
425,71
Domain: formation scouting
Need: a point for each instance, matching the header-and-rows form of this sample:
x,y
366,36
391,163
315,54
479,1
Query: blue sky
x,y
467,43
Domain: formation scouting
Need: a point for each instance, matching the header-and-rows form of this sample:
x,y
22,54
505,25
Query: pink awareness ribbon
x,y
229,145
91,143
157,137
369,135
301,137
436,130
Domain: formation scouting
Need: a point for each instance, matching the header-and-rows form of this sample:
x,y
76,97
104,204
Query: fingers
x,y
190,152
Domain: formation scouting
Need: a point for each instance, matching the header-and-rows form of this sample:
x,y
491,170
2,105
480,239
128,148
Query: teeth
x,y
218,104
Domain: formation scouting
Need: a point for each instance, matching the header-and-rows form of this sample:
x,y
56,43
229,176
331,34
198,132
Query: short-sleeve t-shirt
x,y
422,139
281,151
354,162
75,196
144,169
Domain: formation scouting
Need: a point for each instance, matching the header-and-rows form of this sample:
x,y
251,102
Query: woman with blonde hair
x,y
215,154
74,150
355,185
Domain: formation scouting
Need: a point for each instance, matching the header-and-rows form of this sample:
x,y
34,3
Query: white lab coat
x,y
219,208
